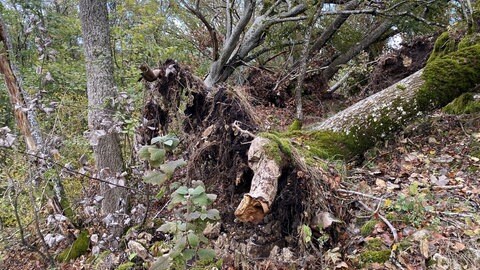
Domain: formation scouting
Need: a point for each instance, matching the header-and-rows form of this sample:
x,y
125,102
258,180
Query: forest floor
x,y
424,181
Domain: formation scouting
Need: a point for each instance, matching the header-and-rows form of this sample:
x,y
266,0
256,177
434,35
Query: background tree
x,y
101,91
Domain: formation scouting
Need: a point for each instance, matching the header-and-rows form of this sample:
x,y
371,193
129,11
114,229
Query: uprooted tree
x,y
288,174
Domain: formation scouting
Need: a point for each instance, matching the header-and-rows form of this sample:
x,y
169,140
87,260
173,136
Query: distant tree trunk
x,y
101,89
303,63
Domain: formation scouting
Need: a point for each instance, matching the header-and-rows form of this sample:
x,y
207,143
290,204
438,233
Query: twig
x,y
360,194
385,220
448,187
237,127
48,159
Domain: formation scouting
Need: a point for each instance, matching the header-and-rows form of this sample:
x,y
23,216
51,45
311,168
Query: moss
x,y
401,87
374,244
448,77
443,45
464,104
375,256
469,40
126,266
296,125
279,149
368,227
78,248
475,149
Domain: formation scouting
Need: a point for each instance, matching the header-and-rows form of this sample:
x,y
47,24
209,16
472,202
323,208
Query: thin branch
x,y
385,220
360,194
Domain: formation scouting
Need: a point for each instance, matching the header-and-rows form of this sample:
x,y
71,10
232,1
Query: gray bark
x,y
396,103
235,51
101,89
328,33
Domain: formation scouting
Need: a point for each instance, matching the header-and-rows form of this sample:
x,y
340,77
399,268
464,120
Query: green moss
x,y
469,40
401,87
279,149
464,104
443,45
78,248
368,227
475,149
374,244
448,77
375,256
126,266
296,125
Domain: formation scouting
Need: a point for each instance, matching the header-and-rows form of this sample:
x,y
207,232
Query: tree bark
x,y
101,89
25,117
393,104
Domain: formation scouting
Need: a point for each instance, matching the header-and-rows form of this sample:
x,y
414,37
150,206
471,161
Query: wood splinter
x,y
257,203
148,74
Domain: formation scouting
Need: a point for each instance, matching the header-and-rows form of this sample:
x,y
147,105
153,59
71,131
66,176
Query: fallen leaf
x,y
424,248
458,246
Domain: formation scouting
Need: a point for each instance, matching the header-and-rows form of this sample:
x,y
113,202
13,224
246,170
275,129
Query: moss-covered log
x,y
441,81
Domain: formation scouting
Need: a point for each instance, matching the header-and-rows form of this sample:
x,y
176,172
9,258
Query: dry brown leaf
x,y
424,248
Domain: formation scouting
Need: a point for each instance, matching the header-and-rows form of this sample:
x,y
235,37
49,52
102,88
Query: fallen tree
x,y
357,128
286,180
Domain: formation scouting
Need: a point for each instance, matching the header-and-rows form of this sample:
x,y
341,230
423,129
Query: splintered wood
x,y
256,204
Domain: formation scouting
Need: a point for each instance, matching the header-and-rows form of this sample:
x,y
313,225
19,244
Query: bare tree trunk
x,y
303,63
101,89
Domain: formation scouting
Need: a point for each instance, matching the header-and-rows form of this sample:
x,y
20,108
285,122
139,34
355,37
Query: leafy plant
x,y
413,205
155,155
191,208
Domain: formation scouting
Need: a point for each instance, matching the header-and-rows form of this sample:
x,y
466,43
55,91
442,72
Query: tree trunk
x,y
101,89
25,118
394,104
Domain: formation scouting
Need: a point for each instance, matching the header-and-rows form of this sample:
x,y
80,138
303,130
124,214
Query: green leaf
x,y
169,141
306,233
192,216
206,254
154,177
212,197
188,254
203,239
161,193
162,263
171,166
201,200
176,199
197,191
143,153
182,227
181,243
193,239
169,227
213,214
183,190
158,155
